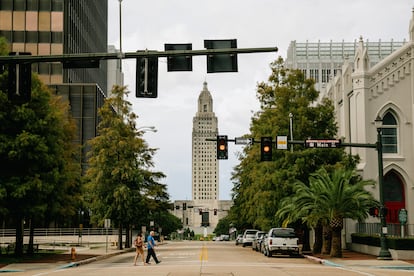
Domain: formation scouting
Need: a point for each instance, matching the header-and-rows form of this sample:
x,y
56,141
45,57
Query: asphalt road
x,y
211,258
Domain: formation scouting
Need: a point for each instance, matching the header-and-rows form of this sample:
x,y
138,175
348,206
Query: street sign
x,y
402,216
243,141
322,143
281,142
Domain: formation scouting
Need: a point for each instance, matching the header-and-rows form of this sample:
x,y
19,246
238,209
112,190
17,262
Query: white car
x,y
248,236
281,241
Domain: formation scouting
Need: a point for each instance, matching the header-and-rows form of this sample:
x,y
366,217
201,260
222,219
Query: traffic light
x,y
19,80
179,63
219,63
373,211
222,150
147,77
266,149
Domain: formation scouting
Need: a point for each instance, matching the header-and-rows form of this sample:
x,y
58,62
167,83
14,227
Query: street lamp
x,y
384,253
291,130
144,129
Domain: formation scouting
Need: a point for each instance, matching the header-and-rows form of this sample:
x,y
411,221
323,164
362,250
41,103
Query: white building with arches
x,y
360,94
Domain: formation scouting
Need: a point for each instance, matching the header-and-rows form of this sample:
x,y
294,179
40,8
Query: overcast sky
x,y
254,23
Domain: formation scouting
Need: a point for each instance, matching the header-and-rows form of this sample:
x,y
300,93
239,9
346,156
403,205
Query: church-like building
x,y
362,94
203,212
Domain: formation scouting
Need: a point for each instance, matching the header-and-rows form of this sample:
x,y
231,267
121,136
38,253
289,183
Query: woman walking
x,y
139,248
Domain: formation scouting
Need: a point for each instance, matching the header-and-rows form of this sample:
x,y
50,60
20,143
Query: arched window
x,y
389,134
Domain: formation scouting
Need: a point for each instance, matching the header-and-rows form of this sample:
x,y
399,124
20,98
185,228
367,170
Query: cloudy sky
x,y
254,23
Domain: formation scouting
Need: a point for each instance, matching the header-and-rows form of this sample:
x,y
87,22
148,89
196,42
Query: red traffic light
x,y
266,149
222,150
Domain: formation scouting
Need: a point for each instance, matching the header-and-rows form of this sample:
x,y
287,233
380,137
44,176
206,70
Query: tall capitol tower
x,y
202,213
205,169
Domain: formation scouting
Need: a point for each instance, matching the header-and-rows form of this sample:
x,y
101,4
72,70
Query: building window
x,y
44,6
32,5
389,134
19,5
6,5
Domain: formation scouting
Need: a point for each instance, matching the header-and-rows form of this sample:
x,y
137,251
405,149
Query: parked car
x,y
239,239
257,240
225,237
248,236
281,241
262,243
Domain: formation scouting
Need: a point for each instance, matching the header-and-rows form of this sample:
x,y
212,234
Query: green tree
x,y
259,186
330,198
37,171
120,185
223,226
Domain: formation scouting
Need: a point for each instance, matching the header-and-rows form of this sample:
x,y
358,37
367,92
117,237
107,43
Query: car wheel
x,y
269,253
244,245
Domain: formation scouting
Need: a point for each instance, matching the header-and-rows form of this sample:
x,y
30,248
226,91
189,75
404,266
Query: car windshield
x,y
283,233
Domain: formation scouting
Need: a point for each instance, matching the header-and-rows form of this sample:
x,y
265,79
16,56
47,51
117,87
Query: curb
x,y
97,258
321,261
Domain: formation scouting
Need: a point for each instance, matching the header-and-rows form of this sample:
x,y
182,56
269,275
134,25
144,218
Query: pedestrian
x,y
150,245
139,248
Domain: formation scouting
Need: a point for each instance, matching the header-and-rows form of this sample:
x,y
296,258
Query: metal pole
x,y
120,35
291,130
384,253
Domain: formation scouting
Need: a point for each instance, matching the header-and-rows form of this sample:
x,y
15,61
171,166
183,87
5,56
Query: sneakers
x,y
158,262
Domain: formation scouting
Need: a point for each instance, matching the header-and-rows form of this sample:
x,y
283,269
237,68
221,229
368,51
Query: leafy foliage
x,y
38,173
260,186
120,184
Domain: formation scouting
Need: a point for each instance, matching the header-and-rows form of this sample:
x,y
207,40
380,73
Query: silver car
x,y
248,236
257,240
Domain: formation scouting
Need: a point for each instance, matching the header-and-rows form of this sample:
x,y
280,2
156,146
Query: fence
x,y
62,232
394,230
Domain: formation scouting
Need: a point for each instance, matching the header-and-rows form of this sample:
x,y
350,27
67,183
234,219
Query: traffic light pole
x,y
384,253
88,57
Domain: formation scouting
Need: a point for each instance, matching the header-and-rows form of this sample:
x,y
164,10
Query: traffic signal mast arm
x,y
139,54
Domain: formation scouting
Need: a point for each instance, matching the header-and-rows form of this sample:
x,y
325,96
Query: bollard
x,y
73,253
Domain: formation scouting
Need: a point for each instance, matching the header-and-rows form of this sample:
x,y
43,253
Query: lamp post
x,y
291,130
384,253
120,35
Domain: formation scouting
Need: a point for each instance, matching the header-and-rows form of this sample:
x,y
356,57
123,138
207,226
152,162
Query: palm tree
x,y
329,199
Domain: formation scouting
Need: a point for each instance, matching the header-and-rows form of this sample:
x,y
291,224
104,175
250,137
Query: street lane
x,y
212,258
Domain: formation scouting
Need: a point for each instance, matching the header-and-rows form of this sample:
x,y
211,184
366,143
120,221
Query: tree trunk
x,y
317,246
326,244
306,242
336,249
120,236
30,249
127,236
18,250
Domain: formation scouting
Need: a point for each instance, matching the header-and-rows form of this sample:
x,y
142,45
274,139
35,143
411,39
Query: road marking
x,y
204,253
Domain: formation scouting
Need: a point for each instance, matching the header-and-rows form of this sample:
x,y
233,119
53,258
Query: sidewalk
x,y
355,259
84,255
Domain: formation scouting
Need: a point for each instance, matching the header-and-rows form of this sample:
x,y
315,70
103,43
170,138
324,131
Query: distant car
x,y
248,237
281,241
239,239
225,237
257,240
